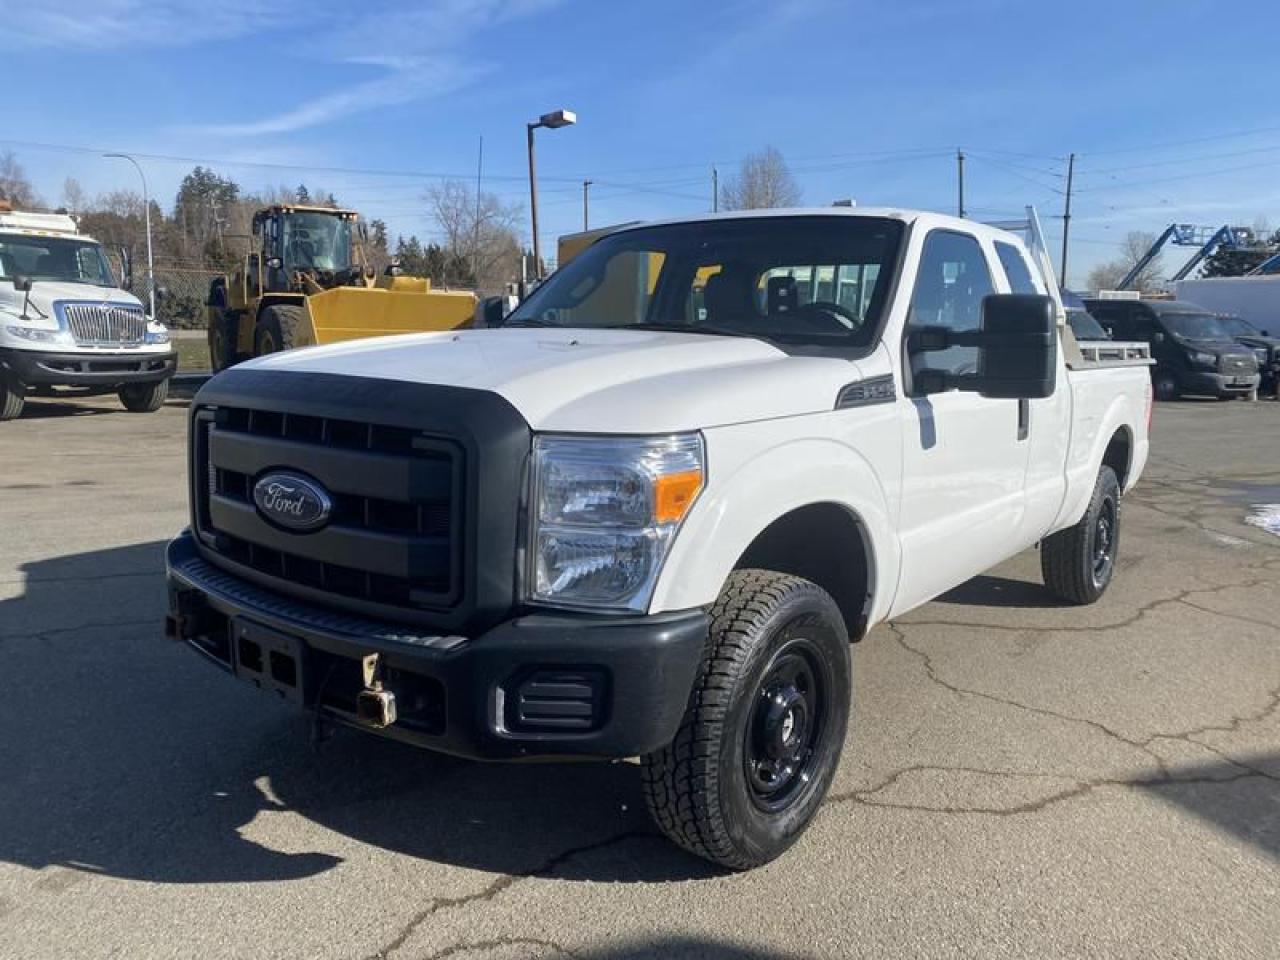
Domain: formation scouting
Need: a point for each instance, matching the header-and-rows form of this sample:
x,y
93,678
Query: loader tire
x,y
1078,563
279,328
766,720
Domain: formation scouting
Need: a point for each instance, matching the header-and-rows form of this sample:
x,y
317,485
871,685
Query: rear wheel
x,y
13,397
144,397
1079,562
279,328
766,721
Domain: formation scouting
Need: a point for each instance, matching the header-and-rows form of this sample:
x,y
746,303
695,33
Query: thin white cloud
x,y
419,51
135,24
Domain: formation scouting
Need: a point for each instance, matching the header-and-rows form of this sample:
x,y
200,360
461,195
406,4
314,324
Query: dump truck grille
x,y
393,536
101,324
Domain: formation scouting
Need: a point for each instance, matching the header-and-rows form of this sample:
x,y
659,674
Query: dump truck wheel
x,y
278,329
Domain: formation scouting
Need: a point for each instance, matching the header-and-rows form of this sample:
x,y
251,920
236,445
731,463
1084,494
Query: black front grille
x,y
394,534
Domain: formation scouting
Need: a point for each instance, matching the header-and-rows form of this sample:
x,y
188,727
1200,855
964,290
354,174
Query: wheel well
x,y
823,543
1118,455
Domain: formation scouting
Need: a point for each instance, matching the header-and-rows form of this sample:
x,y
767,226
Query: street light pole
x,y
552,121
586,185
146,212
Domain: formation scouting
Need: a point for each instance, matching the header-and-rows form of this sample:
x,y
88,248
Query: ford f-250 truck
x,y
647,515
65,327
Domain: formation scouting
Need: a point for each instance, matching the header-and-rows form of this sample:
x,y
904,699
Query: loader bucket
x,y
348,313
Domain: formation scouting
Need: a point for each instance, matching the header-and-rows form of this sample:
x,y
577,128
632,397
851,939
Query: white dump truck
x,y
66,327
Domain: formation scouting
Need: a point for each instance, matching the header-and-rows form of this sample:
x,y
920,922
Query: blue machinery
x,y
1188,235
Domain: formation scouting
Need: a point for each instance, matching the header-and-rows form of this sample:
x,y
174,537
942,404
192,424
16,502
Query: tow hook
x,y
375,705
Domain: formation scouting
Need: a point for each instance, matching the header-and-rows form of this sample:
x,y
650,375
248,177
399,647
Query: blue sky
x,y
1165,102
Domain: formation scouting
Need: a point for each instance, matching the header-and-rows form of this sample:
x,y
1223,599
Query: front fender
x,y
745,494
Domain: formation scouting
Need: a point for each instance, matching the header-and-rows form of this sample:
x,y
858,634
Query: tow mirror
x,y
1017,350
490,312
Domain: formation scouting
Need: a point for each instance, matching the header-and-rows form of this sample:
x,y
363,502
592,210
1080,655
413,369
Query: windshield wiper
x,y
684,328
531,322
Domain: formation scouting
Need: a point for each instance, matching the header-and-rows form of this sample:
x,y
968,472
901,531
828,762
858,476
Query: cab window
x,y
952,280
1016,269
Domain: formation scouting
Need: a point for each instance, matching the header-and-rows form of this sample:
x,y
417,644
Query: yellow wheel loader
x,y
307,281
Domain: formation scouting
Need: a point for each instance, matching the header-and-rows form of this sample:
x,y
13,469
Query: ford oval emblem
x,y
292,501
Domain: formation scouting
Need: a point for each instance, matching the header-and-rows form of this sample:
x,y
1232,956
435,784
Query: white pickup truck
x,y
65,327
647,515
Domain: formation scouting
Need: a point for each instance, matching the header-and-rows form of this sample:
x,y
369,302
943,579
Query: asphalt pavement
x,y
1021,779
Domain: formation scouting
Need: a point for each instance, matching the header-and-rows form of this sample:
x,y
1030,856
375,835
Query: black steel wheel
x,y
1078,563
766,721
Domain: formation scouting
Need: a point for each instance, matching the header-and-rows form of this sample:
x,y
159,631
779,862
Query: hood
x,y
1257,340
1215,346
45,292
623,381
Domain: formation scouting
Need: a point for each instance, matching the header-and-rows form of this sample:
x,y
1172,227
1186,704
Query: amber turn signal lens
x,y
673,494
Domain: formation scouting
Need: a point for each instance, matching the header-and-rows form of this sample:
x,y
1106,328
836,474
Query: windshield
x,y
1197,326
792,279
1084,327
53,258
317,241
1239,327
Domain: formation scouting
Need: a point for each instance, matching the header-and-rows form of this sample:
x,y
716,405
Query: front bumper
x,y
537,686
1216,384
71,369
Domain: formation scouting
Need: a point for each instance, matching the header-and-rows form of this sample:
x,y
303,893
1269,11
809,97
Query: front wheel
x,y
766,721
144,397
1079,562
13,397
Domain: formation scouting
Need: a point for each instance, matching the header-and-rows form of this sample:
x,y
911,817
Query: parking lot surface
x,y
1021,779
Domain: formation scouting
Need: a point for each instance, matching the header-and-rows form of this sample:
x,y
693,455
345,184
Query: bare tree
x,y
481,234
14,184
1107,276
73,196
763,181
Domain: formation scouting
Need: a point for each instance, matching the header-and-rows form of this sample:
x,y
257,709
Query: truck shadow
x,y
990,590
53,408
124,754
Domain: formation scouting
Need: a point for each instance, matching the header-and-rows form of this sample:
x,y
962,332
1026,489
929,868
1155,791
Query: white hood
x,y
624,381
45,292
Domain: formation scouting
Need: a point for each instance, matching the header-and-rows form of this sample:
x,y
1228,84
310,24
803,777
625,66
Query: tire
x,y
279,328
1164,386
223,329
1078,563
13,397
721,789
144,397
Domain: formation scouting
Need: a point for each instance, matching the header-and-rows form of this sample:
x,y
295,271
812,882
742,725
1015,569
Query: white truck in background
x,y
66,327
647,513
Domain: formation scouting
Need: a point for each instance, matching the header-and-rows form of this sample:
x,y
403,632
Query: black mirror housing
x,y
1017,350
21,284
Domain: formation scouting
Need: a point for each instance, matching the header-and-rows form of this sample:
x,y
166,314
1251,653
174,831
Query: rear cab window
x,y
1016,269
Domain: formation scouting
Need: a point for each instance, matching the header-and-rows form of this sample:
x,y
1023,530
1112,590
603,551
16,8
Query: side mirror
x,y
126,269
1017,350
1265,333
490,312
21,284
1157,337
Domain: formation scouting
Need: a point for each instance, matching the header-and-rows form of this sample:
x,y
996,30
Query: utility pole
x,y
586,185
960,172
1066,219
715,190
475,240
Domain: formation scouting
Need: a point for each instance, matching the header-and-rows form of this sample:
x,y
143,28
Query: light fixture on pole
x,y
552,121
146,211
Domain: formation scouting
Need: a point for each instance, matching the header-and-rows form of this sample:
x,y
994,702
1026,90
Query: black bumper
x,y
41,368
537,686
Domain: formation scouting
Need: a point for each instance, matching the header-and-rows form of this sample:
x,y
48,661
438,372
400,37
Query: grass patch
x,y
193,355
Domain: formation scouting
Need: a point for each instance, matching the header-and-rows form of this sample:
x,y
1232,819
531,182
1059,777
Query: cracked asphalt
x,y
1021,779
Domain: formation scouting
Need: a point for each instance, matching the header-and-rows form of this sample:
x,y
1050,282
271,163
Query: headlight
x,y
606,510
157,333
38,334
1204,359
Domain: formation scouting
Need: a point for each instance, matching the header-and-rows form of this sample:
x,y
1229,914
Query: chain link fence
x,y
187,286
